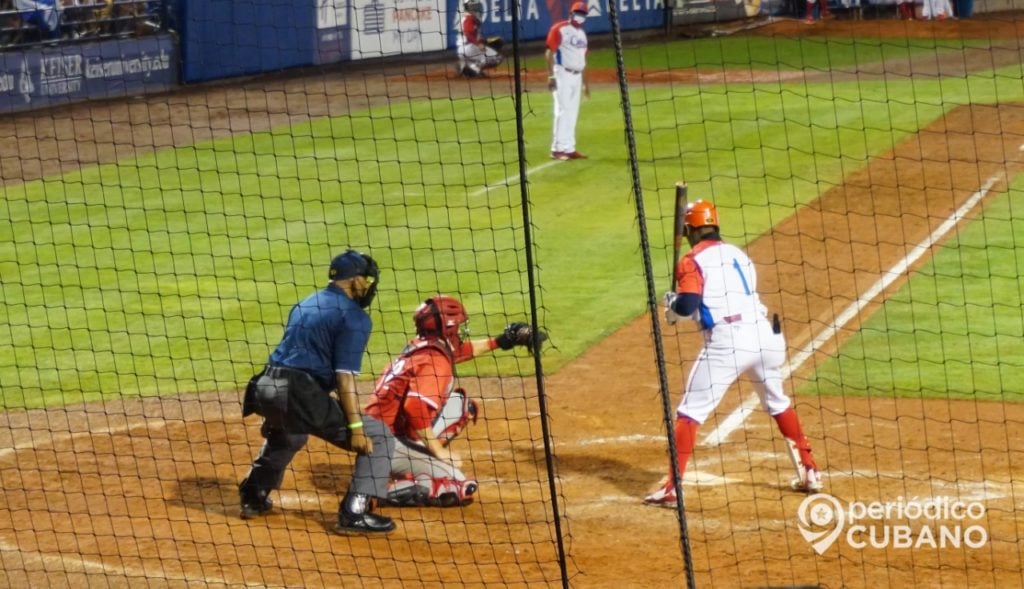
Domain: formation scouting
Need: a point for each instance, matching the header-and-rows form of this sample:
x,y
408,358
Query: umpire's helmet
x,y
441,317
701,213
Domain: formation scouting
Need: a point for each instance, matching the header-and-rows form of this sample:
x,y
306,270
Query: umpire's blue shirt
x,y
326,332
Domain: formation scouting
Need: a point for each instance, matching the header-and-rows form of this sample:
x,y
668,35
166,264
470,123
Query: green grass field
x,y
174,272
955,330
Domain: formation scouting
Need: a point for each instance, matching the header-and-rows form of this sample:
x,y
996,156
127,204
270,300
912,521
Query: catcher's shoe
x,y
663,497
809,481
575,155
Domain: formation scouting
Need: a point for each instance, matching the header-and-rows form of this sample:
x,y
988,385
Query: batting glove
x,y
671,317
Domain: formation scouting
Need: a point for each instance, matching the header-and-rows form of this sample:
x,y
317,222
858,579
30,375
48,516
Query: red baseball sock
x,y
686,437
789,425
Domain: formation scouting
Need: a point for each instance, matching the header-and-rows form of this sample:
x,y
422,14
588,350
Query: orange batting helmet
x,y
701,213
580,7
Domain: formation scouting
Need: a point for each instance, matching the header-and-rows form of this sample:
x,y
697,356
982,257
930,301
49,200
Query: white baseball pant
x,y
731,350
568,90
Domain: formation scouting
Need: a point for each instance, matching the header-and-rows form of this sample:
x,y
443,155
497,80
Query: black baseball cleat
x,y
363,524
254,509
355,517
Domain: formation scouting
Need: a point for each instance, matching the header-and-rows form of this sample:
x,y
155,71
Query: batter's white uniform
x,y
738,336
568,42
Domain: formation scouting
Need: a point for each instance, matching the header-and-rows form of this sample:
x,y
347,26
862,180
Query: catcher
x,y
416,397
475,52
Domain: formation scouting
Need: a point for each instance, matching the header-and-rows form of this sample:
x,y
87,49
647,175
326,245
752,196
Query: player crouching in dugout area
x,y
417,399
476,53
321,351
716,286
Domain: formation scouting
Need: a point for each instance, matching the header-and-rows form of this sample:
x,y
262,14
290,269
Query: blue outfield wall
x,y
53,75
226,38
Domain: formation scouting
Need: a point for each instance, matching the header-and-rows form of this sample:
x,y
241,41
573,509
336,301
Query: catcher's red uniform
x,y
416,392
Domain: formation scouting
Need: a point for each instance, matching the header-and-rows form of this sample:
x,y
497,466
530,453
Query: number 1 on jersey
x,y
743,278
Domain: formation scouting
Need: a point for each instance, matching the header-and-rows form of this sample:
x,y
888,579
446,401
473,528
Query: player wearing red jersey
x,y
417,398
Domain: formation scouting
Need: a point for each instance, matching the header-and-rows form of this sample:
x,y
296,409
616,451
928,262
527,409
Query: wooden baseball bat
x,y
679,231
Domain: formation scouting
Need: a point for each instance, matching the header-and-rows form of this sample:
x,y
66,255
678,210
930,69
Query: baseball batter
x,y
716,286
416,397
567,61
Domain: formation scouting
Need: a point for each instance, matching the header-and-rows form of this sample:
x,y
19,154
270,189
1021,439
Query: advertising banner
x,y
537,16
381,28
47,76
333,38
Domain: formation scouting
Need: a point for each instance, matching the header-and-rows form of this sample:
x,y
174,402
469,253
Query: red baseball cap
x,y
580,7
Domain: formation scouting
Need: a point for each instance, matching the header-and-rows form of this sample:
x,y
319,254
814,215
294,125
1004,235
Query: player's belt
x,y
733,318
577,72
277,371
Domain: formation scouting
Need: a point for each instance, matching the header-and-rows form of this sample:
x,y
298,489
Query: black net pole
x,y
652,297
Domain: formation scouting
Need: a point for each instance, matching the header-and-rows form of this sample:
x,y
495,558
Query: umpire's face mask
x,y
369,291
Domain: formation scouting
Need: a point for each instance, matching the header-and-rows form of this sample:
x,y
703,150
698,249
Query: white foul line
x,y
508,181
735,419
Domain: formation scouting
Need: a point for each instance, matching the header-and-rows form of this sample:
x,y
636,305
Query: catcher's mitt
x,y
519,334
495,43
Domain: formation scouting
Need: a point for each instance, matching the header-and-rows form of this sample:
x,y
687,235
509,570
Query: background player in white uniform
x,y
567,59
474,54
716,286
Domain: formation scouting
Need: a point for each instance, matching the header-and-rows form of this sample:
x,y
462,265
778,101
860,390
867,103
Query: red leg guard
x,y
686,438
789,425
809,15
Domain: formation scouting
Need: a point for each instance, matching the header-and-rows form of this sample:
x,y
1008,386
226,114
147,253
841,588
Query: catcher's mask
x,y
351,264
442,317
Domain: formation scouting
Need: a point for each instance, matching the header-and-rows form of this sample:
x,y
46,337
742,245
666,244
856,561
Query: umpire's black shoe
x,y
254,509
355,517
363,524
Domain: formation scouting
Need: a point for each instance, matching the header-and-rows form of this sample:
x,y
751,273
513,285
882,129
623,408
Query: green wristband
x,y
355,425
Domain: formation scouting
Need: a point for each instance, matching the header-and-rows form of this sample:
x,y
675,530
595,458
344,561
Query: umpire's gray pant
x,y
371,473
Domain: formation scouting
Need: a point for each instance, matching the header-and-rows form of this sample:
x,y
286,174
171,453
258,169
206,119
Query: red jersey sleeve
x,y
428,390
471,29
688,276
555,37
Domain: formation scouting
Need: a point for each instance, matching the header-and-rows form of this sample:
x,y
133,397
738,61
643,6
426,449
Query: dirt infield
x,y
142,492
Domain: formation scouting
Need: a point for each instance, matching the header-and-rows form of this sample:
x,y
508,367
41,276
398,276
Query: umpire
x,y
322,351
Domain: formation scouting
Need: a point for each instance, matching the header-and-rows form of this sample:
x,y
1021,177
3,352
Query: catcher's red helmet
x,y
441,316
580,7
701,213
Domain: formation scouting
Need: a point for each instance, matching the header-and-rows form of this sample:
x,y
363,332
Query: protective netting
x,y
156,232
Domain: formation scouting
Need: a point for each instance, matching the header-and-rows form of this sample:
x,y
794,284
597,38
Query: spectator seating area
x,y
31,22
